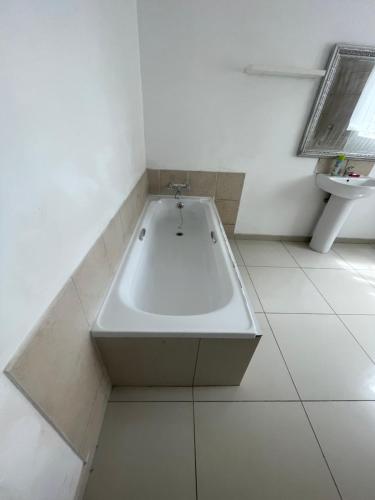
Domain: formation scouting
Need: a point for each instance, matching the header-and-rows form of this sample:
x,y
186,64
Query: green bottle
x,y
339,166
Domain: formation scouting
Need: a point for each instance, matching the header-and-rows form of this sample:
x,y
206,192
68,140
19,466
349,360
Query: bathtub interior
x,y
178,284
181,272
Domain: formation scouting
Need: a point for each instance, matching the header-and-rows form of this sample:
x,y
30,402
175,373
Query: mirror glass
x,y
343,116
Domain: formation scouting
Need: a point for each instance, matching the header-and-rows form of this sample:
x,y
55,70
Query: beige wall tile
x,y
59,367
92,279
118,232
202,183
325,165
83,394
153,180
229,230
228,210
132,207
128,215
92,431
229,186
167,176
114,241
59,370
361,167
141,191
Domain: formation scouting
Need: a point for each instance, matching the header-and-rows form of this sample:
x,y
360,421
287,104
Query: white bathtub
x,y
177,291
178,285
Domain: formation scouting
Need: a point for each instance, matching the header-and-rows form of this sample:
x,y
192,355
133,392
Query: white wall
x,y
202,112
35,463
72,148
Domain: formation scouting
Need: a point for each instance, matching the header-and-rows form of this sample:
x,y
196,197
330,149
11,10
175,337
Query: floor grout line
x,y
195,449
248,401
256,292
356,340
336,314
195,365
308,419
350,269
311,281
322,452
320,314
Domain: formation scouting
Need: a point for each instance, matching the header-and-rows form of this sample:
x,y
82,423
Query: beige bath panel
x,y
223,361
149,362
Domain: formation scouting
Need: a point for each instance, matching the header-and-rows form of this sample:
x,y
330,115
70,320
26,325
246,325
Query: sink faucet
x,y
348,170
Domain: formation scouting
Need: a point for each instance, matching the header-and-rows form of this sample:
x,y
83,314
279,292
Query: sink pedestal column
x,y
331,221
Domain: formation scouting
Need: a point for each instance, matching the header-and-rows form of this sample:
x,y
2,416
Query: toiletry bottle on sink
x,y
339,166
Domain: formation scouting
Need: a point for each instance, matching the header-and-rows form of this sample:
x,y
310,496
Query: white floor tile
x,y
146,451
236,253
250,290
325,362
151,394
287,291
266,378
359,256
308,258
258,450
368,275
265,253
363,329
346,291
346,432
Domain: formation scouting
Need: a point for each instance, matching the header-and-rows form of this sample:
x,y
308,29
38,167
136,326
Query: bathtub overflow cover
x,y
179,233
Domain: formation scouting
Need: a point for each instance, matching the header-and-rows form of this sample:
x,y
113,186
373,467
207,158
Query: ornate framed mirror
x,y
342,119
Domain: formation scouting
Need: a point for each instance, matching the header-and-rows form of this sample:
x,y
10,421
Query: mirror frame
x,y
320,100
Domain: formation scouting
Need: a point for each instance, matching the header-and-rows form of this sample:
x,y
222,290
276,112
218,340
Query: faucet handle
x,y
178,187
348,170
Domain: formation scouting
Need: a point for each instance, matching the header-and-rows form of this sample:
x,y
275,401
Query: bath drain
x,y
179,233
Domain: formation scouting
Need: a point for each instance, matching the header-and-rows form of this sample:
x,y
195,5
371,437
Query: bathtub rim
x,y
253,332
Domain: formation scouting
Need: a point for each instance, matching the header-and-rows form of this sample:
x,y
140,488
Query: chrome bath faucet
x,y
178,188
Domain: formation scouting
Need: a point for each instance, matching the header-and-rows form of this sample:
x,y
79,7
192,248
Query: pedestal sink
x,y
344,193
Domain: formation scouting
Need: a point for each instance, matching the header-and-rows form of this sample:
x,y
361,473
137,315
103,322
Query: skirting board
x,y
278,237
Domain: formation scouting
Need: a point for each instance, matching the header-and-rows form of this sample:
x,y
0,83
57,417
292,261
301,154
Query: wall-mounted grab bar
x,y
142,234
213,237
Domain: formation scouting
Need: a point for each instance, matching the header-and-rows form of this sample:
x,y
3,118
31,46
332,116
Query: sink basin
x,y
345,193
347,187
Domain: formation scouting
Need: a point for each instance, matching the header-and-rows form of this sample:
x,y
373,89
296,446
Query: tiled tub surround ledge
x,y
177,313
58,367
224,187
